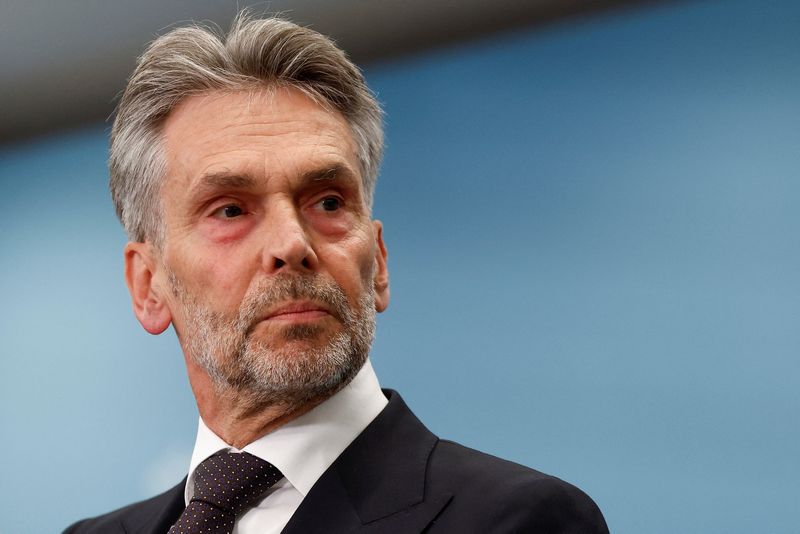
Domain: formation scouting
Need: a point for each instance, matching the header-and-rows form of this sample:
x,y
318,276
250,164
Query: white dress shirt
x,y
302,449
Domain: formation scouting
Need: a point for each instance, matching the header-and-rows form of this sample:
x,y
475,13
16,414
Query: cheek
x,y
215,277
352,264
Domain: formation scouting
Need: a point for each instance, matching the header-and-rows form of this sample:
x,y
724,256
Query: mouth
x,y
297,312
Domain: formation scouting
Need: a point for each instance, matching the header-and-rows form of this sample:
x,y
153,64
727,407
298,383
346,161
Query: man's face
x,y
272,266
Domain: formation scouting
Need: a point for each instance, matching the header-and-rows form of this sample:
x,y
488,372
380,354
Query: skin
x,y
259,184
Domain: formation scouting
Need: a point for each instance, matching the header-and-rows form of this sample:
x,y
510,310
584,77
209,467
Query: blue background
x,y
593,237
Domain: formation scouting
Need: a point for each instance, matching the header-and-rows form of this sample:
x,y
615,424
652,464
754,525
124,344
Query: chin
x,y
305,367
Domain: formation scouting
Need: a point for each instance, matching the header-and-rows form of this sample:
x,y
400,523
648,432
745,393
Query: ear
x,y
149,304
381,279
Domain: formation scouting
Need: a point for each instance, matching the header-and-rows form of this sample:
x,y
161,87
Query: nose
x,y
288,246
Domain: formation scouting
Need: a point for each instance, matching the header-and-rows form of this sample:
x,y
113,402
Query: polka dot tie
x,y
225,485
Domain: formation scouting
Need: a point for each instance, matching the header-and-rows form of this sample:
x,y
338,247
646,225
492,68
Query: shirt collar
x,y
305,447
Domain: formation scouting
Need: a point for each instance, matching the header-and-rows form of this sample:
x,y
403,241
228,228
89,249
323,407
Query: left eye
x,y
330,203
230,211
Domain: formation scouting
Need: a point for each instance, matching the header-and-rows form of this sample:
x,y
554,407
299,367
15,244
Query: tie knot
x,y
233,481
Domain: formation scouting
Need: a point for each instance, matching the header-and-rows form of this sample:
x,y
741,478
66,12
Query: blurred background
x,y
591,215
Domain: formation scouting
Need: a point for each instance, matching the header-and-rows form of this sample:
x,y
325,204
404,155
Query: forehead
x,y
256,133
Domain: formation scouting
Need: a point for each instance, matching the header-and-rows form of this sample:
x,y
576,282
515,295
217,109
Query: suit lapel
x,y
378,483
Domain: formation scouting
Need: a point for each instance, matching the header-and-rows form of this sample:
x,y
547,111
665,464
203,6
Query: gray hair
x,y
255,53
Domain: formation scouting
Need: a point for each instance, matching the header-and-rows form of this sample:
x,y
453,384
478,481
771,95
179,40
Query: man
x,y
243,170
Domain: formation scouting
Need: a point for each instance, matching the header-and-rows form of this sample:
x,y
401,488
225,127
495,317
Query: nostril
x,y
306,263
279,263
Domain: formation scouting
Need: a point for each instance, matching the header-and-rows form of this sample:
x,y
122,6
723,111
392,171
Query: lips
x,y
297,311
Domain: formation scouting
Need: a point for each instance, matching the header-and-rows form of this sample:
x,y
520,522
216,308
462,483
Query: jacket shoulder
x,y
142,513
490,494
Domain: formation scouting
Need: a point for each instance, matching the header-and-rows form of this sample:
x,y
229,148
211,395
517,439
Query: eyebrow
x,y
214,181
224,180
331,173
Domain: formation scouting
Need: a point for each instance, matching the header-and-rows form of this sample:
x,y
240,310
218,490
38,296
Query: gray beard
x,y
260,373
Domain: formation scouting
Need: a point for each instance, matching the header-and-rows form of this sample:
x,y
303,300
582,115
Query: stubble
x,y
290,367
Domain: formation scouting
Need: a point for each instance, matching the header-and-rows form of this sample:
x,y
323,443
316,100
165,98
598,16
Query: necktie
x,y
225,484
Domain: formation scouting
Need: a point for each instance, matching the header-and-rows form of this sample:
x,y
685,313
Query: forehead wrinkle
x,y
323,131
288,127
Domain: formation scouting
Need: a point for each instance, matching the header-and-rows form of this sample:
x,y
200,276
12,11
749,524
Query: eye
x,y
330,203
231,211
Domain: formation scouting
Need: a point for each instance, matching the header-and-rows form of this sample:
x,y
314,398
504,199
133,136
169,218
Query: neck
x,y
238,417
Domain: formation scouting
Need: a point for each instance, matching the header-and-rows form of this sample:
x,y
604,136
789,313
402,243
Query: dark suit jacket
x,y
397,477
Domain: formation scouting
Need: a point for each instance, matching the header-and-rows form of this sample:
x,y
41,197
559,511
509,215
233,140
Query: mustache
x,y
269,293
